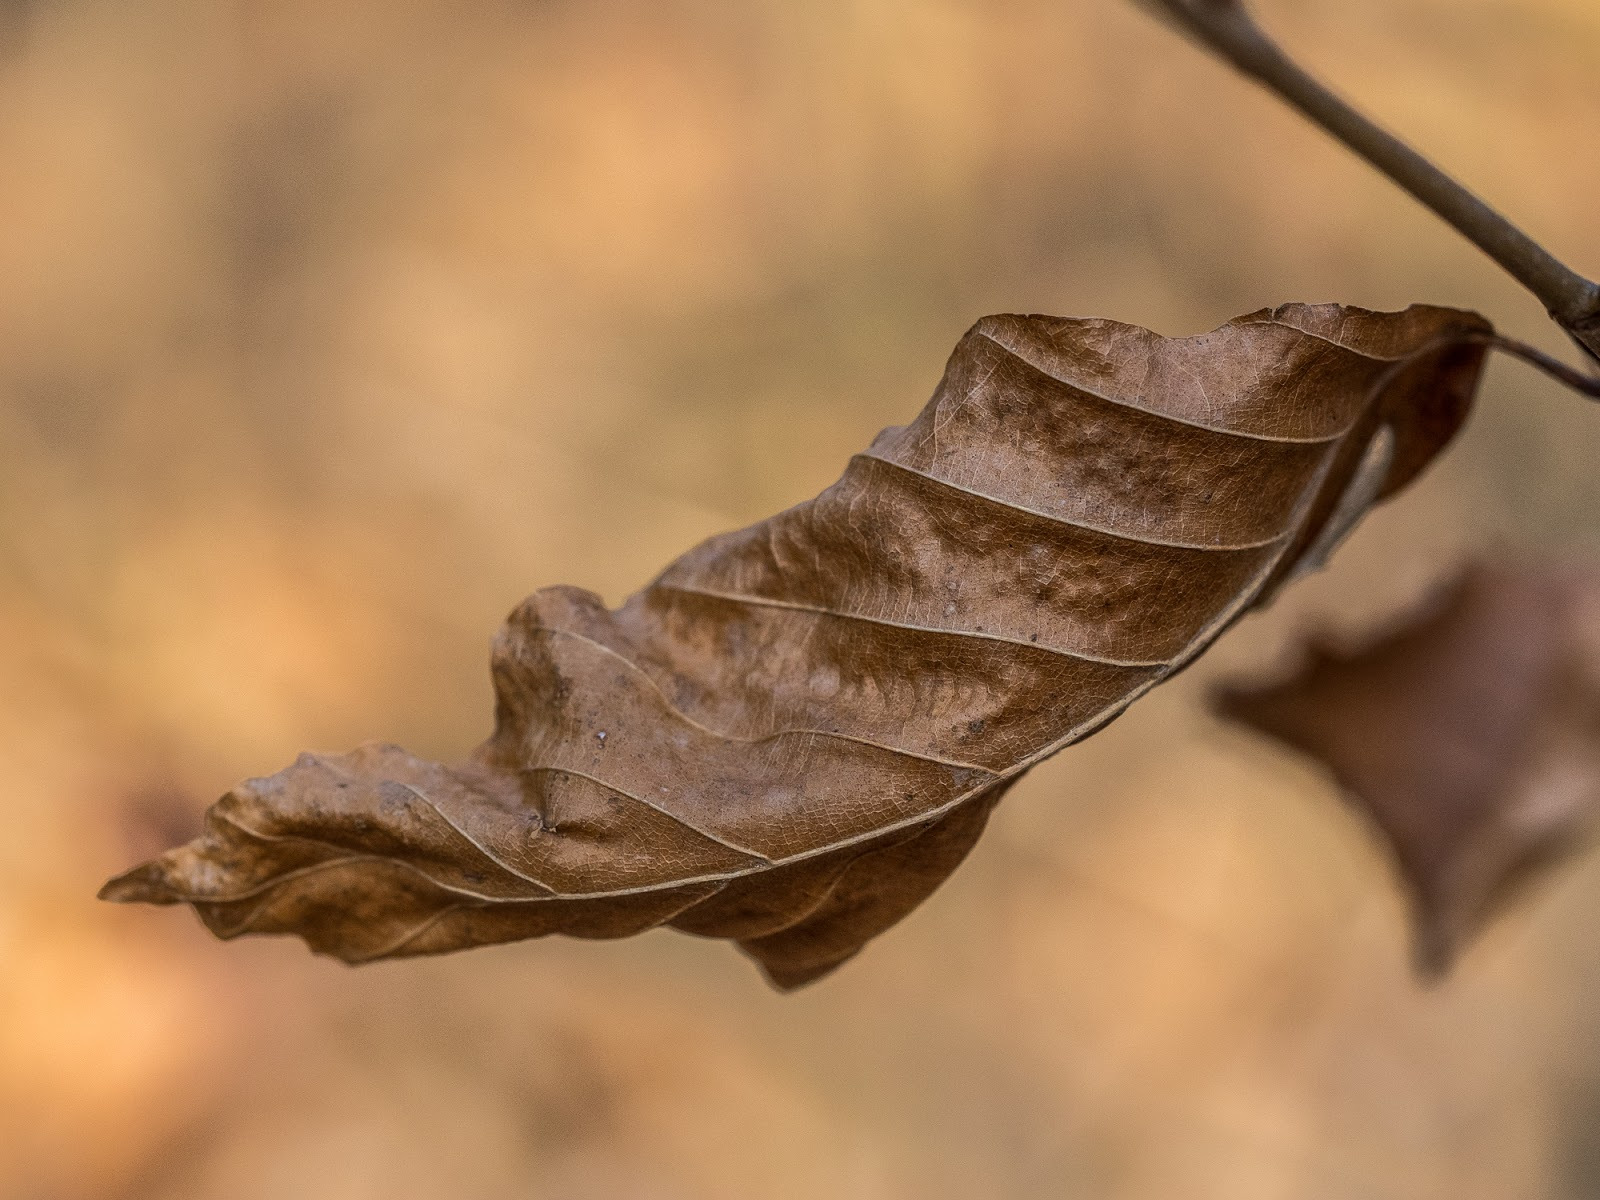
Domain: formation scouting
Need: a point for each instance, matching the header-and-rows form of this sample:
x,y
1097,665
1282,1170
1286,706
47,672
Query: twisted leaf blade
x,y
798,730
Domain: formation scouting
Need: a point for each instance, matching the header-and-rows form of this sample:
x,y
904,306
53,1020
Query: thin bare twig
x,y
1587,385
1228,28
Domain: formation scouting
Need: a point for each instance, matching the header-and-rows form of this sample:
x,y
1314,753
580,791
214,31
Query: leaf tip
x,y
1434,949
787,975
144,884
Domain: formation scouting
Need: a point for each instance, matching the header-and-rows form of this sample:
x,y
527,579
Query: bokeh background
x,y
328,331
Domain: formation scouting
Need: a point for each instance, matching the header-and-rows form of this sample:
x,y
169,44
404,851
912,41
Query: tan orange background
x,y
327,331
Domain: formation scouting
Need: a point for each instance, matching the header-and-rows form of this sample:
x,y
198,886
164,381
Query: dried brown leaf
x,y
798,730
1470,735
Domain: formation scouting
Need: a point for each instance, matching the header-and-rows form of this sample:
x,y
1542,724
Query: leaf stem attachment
x,y
1229,29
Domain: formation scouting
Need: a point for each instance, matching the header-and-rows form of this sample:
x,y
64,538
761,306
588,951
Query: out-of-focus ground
x,y
328,331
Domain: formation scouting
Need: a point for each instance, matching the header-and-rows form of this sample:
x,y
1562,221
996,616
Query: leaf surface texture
x,y
798,730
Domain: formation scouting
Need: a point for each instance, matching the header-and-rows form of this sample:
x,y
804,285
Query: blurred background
x,y
328,331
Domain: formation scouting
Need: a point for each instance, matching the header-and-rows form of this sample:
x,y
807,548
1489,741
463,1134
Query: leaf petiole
x,y
1228,28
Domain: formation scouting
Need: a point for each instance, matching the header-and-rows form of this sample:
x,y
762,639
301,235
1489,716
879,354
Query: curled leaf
x,y
798,730
1470,735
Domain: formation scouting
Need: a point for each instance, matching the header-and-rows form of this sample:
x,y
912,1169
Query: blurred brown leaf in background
x,y
1470,735
327,333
